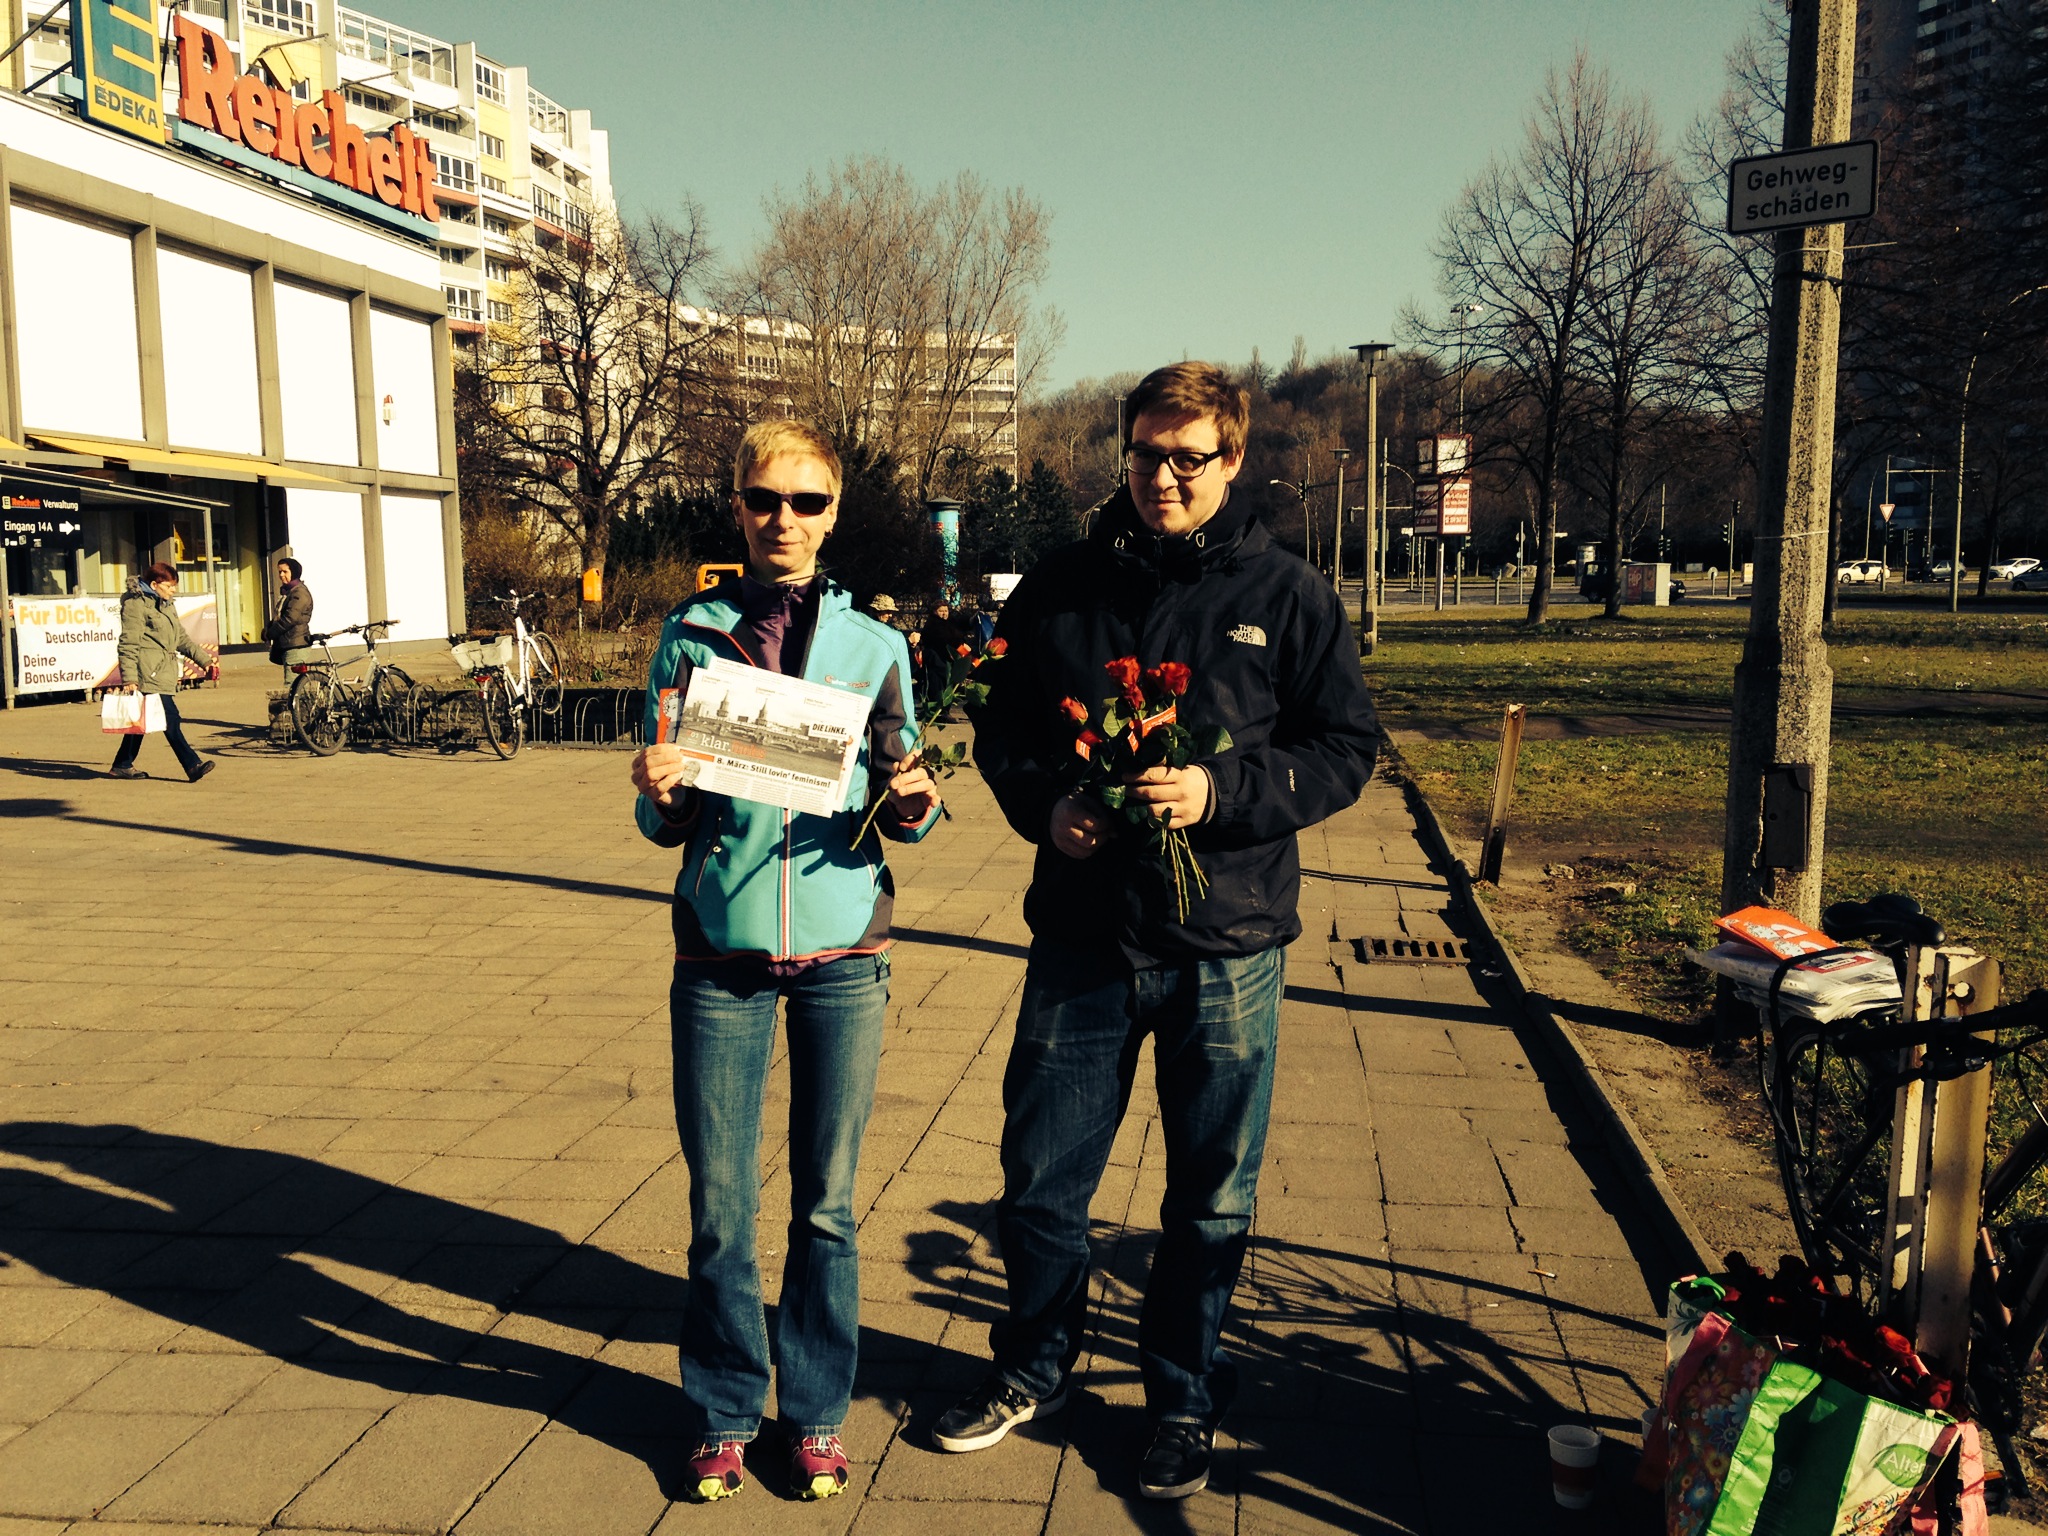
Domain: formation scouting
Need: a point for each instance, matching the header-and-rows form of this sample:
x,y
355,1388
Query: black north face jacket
x,y
1274,663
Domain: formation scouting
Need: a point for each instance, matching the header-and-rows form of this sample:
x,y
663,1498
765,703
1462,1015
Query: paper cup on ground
x,y
1574,1457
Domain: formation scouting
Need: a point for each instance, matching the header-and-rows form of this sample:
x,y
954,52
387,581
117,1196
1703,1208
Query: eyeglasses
x,y
1145,462
763,502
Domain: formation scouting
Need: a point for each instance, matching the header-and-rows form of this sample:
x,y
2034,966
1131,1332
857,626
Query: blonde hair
x,y
767,440
1192,391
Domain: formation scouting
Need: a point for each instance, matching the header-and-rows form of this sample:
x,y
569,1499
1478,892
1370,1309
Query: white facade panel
x,y
235,197
316,376
415,567
74,308
326,530
208,313
408,418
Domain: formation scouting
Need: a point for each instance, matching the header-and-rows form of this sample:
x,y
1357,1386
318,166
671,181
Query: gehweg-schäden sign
x,y
1825,185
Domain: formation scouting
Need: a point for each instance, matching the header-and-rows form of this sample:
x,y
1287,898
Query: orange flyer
x,y
1779,933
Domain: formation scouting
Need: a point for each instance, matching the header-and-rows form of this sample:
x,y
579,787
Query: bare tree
x,y
1526,241
909,323
597,391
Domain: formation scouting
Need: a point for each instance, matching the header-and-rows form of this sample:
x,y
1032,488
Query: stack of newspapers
x,y
1835,986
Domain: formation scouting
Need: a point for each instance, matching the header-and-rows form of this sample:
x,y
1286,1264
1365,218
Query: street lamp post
x,y
1370,353
1337,529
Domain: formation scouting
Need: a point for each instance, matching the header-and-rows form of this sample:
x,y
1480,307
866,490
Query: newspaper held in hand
x,y
756,735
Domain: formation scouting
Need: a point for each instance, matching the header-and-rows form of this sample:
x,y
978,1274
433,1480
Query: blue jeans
x,y
174,733
722,1019
1214,1025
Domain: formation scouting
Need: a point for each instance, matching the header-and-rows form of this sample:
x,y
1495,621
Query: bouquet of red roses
x,y
961,688
1136,729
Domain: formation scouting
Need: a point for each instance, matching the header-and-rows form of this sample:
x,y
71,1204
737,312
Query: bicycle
x,y
1830,1090
327,706
537,679
487,663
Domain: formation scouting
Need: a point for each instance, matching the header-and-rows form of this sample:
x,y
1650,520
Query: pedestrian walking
x,y
1175,571
775,906
292,628
151,642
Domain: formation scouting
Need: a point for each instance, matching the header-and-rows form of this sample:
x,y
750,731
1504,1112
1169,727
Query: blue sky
x,y
1222,176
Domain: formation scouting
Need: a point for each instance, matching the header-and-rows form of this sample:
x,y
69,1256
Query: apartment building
x,y
1919,51
510,162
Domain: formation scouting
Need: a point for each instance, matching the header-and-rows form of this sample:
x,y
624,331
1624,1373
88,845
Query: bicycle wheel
x,y
504,721
546,682
1831,1120
392,694
318,713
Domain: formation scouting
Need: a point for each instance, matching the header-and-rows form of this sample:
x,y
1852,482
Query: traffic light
x,y
1724,529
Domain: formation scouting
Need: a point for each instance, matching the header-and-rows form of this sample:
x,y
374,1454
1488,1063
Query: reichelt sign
x,y
1827,185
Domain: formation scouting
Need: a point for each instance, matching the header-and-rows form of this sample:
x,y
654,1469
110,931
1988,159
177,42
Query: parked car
x,y
2035,580
1857,572
2019,565
1939,571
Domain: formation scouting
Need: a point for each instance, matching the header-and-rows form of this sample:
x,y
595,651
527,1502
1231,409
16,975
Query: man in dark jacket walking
x,y
1174,571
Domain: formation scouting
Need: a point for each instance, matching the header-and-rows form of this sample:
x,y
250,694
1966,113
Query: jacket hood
x,y
1221,542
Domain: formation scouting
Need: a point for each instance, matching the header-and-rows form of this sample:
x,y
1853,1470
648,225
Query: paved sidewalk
x,y
338,1182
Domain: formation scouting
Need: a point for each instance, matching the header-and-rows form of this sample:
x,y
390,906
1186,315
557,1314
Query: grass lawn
x,y
1938,784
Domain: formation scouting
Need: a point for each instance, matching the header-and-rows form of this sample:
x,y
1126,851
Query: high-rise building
x,y
1919,51
510,162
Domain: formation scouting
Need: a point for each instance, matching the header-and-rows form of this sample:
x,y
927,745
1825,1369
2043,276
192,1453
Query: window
x,y
292,17
493,225
490,83
454,174
456,256
501,312
546,205
369,101
215,8
462,304
578,218
493,183
544,116
496,270
492,146
444,122
457,213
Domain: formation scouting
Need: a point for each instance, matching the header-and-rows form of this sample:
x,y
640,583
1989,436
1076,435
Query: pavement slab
x,y
367,1215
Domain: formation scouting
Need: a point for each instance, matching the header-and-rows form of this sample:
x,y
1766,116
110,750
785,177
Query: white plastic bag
x,y
131,714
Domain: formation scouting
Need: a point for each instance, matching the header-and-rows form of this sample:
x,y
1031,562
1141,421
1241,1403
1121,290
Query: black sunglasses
x,y
759,499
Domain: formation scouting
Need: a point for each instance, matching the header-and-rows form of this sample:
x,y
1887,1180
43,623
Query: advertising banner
x,y
1443,507
70,644
114,50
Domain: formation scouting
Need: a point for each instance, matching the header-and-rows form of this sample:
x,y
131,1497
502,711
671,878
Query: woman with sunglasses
x,y
777,905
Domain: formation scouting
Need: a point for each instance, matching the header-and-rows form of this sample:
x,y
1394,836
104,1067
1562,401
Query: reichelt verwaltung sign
x,y
1826,185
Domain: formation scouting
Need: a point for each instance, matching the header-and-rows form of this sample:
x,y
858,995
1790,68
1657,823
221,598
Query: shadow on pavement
x,y
51,768
905,935
29,808
275,848
1626,1022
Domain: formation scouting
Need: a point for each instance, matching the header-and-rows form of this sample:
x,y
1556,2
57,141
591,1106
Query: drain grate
x,y
1406,951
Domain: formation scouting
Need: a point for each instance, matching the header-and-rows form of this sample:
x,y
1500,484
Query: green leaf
x,y
1111,795
1212,742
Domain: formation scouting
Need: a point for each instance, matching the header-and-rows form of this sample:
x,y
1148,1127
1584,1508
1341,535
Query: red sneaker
x,y
817,1467
717,1470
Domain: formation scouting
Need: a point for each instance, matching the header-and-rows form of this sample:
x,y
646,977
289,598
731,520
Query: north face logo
x,y
1248,634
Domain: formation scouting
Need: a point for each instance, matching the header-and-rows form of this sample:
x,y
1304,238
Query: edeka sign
x,y
313,138
70,644
113,49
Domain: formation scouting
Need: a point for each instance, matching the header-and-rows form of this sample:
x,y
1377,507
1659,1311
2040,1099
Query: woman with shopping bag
x,y
152,640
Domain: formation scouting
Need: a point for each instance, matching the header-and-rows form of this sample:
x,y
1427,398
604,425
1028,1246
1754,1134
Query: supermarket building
x,y
227,319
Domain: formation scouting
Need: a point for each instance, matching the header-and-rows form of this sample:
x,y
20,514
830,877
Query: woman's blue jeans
x,y
723,1025
1215,1024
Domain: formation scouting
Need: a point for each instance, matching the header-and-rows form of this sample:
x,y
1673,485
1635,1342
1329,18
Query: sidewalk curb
x,y
1638,1161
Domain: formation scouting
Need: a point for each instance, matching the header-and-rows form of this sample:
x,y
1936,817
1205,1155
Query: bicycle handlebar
x,y
1891,918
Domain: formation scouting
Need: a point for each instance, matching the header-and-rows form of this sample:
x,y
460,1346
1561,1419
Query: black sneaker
x,y
977,1422
1178,1463
125,771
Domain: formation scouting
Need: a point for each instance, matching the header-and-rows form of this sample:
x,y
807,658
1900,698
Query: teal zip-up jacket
x,y
786,886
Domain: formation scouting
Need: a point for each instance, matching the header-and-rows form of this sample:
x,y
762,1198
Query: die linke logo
x,y
397,169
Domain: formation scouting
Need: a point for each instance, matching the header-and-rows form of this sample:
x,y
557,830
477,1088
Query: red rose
x,y
997,646
1135,697
1125,670
1074,710
1174,677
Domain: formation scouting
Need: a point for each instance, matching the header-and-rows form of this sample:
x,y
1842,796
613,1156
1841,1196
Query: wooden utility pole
x,y
1784,688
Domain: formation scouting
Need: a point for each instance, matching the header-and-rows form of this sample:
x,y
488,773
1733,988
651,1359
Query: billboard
x,y
114,51
69,644
1443,507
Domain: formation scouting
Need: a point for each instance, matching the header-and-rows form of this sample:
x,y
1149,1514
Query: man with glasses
x,y
774,905
1174,570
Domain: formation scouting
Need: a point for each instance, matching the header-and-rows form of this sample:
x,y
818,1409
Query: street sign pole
x,y
1784,687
